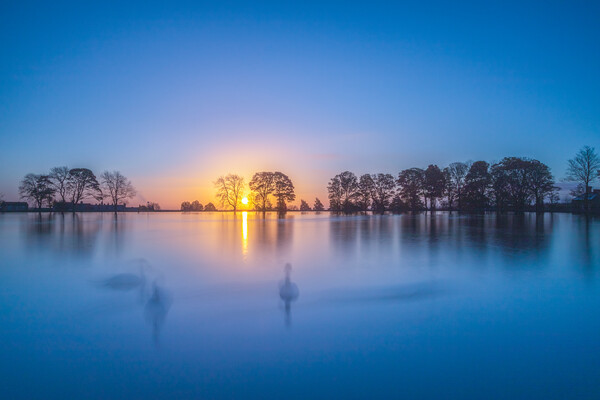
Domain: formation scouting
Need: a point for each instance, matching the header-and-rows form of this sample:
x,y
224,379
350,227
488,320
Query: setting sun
x,y
245,201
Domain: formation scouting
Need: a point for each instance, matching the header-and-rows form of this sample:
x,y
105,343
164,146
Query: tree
x,y
262,185
59,178
318,205
397,205
584,169
82,184
186,206
230,190
304,206
411,182
383,191
284,190
434,184
342,190
542,184
117,188
196,206
517,181
37,188
477,185
210,207
457,172
364,192
150,206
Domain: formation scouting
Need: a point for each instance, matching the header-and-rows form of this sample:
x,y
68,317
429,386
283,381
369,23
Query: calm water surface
x,y
188,305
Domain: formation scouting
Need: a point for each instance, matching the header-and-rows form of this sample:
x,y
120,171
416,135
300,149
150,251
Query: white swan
x,y
288,292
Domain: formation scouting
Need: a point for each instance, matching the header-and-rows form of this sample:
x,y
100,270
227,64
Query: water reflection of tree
x,y
522,238
511,240
63,235
583,255
343,232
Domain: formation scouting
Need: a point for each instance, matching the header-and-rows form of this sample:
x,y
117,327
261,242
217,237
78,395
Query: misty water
x,y
197,305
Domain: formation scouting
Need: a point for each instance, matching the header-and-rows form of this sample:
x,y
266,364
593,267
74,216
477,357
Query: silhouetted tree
x,y
517,181
37,188
196,206
284,190
230,190
210,207
59,177
186,206
318,206
83,184
477,185
499,187
304,206
342,190
150,206
553,198
542,184
383,191
397,205
457,172
117,188
583,169
511,181
364,192
434,184
262,185
411,182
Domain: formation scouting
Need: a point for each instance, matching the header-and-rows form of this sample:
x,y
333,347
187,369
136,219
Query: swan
x,y
288,292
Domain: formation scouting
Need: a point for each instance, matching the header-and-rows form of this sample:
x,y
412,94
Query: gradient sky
x,y
175,95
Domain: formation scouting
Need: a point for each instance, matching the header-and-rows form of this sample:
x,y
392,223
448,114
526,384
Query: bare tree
x,y
36,188
583,169
230,190
262,185
59,177
82,183
116,187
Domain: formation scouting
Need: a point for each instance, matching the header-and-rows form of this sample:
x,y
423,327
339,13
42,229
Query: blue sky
x,y
174,95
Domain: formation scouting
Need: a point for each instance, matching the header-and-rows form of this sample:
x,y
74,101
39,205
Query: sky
x,y
175,94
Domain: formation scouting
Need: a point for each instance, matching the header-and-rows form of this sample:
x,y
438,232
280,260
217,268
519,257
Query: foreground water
x,y
188,305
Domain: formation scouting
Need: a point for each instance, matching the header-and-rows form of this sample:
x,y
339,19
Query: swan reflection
x,y
156,299
156,309
288,292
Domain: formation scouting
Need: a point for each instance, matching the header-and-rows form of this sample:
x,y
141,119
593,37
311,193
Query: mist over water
x,y
202,305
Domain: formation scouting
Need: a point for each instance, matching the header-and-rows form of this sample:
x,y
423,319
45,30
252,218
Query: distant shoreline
x,y
561,211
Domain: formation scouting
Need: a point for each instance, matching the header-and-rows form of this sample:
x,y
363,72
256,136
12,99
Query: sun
x,y
245,201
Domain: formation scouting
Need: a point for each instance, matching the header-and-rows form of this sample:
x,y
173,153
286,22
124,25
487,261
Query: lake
x,y
188,305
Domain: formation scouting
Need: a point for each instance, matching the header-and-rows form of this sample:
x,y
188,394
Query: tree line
x,y
65,187
514,183
197,206
266,191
